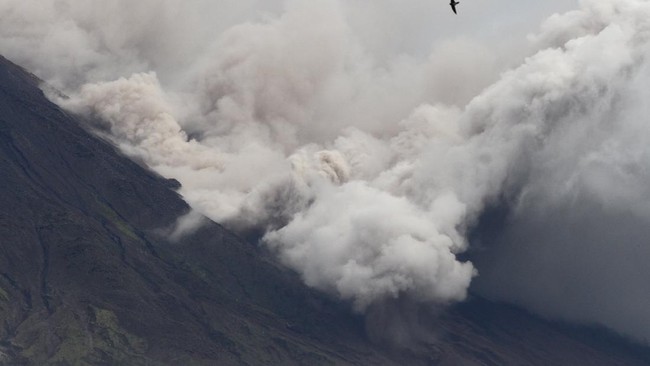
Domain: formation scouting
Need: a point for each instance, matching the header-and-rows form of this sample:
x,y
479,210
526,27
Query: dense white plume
x,y
576,244
363,161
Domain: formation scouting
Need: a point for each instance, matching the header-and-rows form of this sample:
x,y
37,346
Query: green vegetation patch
x,y
83,339
4,296
116,220
100,341
107,321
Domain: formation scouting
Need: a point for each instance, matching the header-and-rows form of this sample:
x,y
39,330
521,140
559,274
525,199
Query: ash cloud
x,y
363,161
286,147
575,244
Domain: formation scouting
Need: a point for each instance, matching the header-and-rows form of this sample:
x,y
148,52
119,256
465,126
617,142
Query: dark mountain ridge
x,y
79,253
86,278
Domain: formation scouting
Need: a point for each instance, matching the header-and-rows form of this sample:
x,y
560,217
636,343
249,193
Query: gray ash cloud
x,y
363,165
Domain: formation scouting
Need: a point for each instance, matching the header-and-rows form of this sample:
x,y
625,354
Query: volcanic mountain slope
x,y
86,278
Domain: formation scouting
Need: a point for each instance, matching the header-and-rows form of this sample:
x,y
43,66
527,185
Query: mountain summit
x,y
87,278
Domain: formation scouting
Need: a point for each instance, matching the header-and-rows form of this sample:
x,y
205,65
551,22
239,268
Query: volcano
x,y
89,276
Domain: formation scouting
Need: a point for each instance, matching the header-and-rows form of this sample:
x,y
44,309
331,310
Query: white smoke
x,y
285,146
576,244
363,163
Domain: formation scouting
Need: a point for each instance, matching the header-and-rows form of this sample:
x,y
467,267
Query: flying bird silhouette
x,y
453,5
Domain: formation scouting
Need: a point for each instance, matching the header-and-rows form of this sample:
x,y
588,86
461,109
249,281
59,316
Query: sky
x,y
367,143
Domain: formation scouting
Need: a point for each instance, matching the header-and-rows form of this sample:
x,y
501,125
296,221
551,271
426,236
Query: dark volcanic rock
x,y
85,278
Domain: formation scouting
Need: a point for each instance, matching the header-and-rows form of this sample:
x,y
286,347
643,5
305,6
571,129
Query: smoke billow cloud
x,y
364,162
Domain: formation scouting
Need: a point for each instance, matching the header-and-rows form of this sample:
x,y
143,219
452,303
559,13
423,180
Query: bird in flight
x,y
453,5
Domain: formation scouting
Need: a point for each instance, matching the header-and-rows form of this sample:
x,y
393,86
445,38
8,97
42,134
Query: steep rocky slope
x,y
86,277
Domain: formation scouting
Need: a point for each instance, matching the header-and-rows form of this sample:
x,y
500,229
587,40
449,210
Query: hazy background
x,y
362,141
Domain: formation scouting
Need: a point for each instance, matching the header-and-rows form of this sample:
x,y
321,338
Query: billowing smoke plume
x,y
576,244
364,171
288,141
